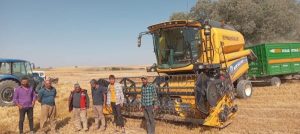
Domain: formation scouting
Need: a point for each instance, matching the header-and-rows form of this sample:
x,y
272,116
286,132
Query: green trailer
x,y
275,61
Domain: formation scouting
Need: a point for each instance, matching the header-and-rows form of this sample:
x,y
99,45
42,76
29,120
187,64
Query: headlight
x,y
200,66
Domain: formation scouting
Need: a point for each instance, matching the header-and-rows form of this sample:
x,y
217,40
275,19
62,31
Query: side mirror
x,y
32,65
140,37
139,40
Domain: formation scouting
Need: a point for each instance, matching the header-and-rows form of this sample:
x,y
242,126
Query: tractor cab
x,y
17,68
11,72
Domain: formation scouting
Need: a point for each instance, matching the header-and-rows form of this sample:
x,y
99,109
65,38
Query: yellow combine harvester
x,y
201,67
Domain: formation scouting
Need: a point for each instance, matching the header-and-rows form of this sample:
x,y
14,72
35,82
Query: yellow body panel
x,y
235,55
239,66
213,119
223,42
182,69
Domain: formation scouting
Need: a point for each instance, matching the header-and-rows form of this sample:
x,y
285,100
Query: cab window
x,y
18,69
5,68
28,68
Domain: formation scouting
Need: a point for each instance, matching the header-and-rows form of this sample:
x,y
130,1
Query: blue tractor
x,y
11,71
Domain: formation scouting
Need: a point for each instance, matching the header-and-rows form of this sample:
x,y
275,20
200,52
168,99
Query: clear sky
x,y
80,32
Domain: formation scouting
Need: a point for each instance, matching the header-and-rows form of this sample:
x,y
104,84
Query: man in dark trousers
x,y
24,98
115,100
149,104
99,98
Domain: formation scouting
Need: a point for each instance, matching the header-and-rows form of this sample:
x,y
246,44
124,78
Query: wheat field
x,y
269,110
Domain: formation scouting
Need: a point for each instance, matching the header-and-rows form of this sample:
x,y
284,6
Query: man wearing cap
x,y
99,98
149,103
79,103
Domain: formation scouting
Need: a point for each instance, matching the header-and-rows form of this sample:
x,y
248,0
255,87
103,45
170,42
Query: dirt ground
x,y
269,110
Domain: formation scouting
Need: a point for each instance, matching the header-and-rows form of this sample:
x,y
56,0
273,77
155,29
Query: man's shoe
x,y
77,130
95,128
54,132
86,129
116,131
40,132
102,129
123,131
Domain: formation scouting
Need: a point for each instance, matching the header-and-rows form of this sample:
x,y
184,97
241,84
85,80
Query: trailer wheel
x,y
6,92
275,81
244,89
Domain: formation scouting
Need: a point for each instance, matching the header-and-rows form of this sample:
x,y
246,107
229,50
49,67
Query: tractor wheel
x,y
6,92
244,89
275,81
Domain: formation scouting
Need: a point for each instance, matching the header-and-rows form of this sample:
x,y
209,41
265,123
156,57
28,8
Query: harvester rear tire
x,y
275,81
6,92
244,89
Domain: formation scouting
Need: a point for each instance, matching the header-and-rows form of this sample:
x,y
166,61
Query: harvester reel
x,y
103,82
162,84
129,90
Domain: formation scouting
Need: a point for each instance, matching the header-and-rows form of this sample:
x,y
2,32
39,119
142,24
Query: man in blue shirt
x,y
46,97
99,98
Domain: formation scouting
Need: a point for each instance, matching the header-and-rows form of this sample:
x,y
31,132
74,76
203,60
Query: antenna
x,y
187,10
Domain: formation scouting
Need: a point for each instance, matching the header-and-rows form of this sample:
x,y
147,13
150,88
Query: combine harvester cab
x,y
201,67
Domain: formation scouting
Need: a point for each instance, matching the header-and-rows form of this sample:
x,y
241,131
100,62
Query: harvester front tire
x,y
275,81
6,92
244,89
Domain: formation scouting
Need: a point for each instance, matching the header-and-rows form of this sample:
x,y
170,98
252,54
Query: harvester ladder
x,y
208,50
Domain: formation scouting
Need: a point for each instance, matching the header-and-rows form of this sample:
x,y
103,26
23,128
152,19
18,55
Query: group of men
x,y
111,96
25,98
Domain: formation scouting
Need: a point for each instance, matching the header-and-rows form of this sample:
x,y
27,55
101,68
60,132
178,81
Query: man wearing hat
x,y
79,103
149,103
